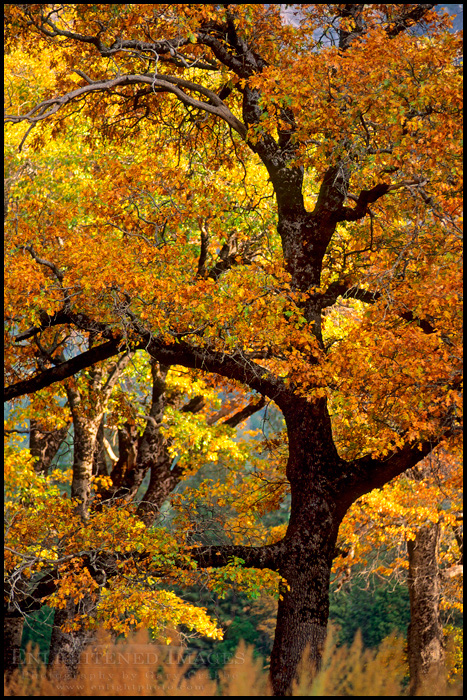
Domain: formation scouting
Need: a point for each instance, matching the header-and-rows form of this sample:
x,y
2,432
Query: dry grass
x,y
139,667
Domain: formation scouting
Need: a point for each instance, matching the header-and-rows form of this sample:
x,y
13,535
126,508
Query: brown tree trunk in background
x,y
153,449
100,462
123,471
44,444
87,408
425,633
66,647
12,633
161,485
83,461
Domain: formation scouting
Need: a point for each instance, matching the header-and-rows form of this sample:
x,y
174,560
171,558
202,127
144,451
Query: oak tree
x,y
288,218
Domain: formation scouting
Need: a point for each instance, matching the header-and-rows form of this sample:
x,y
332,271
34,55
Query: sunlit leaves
x,y
138,208
378,525
43,532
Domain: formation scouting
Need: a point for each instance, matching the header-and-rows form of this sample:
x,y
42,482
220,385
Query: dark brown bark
x,y
425,633
13,624
152,449
62,371
302,618
44,444
303,609
161,485
337,289
309,544
124,474
409,16
66,647
245,413
138,455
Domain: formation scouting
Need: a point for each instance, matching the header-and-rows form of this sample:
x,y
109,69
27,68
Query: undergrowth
x,y
140,667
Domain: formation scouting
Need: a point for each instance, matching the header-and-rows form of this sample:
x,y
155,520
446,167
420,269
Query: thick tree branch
x,y
367,197
63,317
159,83
265,557
245,413
337,289
410,15
351,11
64,370
367,473
194,405
238,365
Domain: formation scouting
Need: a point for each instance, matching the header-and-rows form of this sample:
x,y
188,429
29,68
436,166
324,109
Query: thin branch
x,y
83,75
42,261
204,248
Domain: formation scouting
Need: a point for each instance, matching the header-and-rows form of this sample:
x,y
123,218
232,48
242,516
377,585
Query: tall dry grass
x,y
142,668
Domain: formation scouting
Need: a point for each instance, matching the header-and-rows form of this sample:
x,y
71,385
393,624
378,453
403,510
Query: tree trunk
x,y
83,461
125,475
100,461
161,485
12,634
66,647
302,616
309,544
425,632
44,444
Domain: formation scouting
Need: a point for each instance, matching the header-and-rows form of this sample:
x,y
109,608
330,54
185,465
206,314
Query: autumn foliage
x,y
210,209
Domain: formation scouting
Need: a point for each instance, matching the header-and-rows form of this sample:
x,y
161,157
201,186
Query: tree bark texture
x,y
44,444
309,542
425,633
83,461
13,624
302,612
66,647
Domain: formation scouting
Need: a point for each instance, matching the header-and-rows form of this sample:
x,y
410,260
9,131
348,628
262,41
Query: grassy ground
x,y
139,667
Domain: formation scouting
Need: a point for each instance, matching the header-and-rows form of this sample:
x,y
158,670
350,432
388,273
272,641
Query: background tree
x,y
151,429
354,121
407,531
53,564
